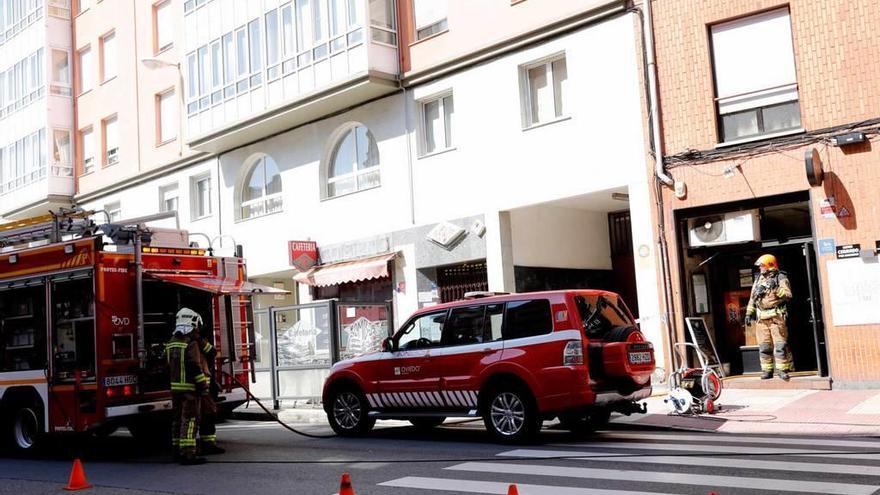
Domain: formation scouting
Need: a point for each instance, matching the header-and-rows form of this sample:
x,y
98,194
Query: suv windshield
x,y
600,314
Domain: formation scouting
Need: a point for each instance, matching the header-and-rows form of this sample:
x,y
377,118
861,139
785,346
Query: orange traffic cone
x,y
77,477
345,485
511,490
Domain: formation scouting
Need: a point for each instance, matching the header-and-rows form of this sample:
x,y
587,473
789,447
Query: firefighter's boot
x,y
192,460
784,375
768,375
212,449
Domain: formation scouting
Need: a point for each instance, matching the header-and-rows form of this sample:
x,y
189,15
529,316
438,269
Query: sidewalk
x,y
743,411
803,412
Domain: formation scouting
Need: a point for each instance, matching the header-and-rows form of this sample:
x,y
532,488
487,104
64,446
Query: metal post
x,y
273,367
139,295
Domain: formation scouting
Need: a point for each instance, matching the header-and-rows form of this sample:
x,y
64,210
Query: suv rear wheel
x,y
511,414
348,413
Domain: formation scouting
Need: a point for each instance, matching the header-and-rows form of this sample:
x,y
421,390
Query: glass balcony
x,y
269,70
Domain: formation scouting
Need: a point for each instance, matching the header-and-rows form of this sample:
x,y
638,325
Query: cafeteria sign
x,y
302,254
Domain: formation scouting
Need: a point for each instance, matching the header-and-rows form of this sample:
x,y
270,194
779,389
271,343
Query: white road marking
x,y
712,481
802,467
494,487
726,438
719,449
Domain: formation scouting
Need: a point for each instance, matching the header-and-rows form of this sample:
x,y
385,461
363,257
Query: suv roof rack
x,y
479,294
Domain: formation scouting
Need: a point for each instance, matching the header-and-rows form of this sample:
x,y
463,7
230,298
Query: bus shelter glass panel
x,y
362,327
262,386
303,337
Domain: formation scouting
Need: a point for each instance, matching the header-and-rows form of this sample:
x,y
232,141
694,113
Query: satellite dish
x,y
709,229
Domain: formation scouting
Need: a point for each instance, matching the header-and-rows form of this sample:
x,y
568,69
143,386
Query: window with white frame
x,y
354,163
166,108
85,69
168,198
23,162
200,196
59,8
16,15
544,88
261,189
111,140
282,41
82,5
61,163
109,61
755,80
22,83
87,144
60,73
163,29
437,116
429,17
114,211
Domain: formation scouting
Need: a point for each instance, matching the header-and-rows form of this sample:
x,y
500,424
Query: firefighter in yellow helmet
x,y
188,384
768,308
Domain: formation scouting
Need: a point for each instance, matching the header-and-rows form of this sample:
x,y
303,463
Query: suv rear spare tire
x,y
347,413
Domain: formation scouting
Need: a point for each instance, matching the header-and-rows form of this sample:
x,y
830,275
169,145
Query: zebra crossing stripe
x,y
810,442
495,487
718,449
713,462
714,481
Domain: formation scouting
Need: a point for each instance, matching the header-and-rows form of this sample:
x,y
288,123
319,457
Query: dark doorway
x,y
622,262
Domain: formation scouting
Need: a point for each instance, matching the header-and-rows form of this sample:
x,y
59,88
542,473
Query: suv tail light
x,y
573,354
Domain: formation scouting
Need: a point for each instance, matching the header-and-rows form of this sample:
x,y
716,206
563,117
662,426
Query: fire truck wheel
x,y
26,427
427,423
348,412
511,414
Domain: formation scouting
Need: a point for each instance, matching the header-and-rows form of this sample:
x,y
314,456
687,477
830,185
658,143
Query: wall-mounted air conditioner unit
x,y
726,228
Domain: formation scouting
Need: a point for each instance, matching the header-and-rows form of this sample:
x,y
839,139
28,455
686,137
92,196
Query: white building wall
x,y
496,164
561,238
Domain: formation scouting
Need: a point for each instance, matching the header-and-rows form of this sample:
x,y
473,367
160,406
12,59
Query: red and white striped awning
x,y
345,272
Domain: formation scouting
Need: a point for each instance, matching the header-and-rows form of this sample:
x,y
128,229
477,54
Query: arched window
x,y
354,163
261,189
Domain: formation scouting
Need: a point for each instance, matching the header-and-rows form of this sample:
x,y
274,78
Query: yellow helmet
x,y
767,261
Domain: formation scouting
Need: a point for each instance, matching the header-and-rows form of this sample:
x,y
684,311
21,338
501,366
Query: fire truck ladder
x,y
52,227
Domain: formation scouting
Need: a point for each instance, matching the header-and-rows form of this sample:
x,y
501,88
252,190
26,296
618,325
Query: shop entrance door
x,y
814,302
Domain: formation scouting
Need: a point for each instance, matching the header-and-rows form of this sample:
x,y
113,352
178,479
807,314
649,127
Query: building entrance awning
x,y
216,285
345,272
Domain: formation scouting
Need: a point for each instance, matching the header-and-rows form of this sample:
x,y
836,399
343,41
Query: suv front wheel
x,y
348,413
511,414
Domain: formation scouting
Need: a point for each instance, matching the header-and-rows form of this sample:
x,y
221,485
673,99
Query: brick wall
x,y
838,70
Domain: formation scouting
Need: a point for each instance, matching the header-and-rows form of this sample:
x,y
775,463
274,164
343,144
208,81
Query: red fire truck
x,y
85,314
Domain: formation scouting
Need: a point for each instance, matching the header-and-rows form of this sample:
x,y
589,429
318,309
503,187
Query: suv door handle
x,y
487,350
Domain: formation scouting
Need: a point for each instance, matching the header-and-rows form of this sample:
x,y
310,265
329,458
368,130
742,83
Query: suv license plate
x,y
639,357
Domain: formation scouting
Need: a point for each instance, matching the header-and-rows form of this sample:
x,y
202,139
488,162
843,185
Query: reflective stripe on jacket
x,y
184,363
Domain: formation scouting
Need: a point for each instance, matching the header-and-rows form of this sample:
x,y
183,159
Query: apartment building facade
x,y
415,152
769,113
36,112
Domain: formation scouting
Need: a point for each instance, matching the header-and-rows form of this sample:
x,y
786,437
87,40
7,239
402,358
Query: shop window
x,y
73,318
465,326
354,163
527,319
755,79
424,331
23,326
261,190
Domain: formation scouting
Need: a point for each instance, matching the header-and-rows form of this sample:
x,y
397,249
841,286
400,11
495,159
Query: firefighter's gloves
x,y
749,320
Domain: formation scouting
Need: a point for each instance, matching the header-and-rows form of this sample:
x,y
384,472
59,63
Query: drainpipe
x,y
659,169
662,177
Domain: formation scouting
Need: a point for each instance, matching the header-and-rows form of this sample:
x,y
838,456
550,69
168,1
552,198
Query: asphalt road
x,y
460,458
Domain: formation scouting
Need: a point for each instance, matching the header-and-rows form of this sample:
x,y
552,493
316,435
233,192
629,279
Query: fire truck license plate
x,y
639,357
114,381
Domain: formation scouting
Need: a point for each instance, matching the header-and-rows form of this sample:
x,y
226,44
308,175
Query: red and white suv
x,y
515,360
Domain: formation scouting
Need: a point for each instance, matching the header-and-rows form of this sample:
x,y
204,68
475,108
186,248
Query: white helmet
x,y
187,319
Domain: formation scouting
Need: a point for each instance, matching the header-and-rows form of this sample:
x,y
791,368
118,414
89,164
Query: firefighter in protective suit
x,y
768,308
188,384
208,425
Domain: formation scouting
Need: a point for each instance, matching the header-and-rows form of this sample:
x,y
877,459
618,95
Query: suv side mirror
x,y
387,345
